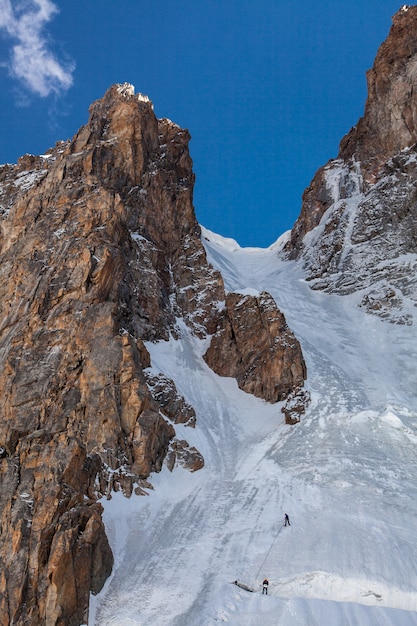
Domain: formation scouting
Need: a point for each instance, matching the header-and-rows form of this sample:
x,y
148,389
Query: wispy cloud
x,y
31,61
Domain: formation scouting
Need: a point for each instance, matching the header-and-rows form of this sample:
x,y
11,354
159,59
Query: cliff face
x,y
274,351
357,231
100,252
389,123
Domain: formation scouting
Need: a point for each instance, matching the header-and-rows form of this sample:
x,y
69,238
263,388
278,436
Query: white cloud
x,y
31,61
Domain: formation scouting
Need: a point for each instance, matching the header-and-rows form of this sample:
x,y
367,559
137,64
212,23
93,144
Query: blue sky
x,y
267,88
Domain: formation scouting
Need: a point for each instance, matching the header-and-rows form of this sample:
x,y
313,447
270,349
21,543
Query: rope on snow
x,y
268,553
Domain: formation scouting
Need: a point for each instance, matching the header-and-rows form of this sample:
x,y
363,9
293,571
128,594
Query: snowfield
x,y
346,476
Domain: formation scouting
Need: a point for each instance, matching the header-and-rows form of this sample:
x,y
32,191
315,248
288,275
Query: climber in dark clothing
x,y
286,520
265,586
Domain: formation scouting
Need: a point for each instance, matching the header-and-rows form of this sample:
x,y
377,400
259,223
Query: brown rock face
x,y
359,215
99,251
316,200
255,346
98,246
389,123
181,453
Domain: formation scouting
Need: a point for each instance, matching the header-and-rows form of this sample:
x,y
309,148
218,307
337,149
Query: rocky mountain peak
x,y
100,253
389,123
357,230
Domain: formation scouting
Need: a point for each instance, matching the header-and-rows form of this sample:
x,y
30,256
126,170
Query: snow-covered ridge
x,y
127,90
227,243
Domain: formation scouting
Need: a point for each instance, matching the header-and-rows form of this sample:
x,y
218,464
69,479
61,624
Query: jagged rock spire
x,y
358,220
389,123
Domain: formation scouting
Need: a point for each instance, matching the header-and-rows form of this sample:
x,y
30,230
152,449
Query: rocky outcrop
x,y
357,231
296,405
181,454
171,403
389,123
100,252
254,345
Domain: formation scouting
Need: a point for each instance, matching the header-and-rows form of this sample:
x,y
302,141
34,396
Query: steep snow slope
x,y
345,475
